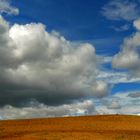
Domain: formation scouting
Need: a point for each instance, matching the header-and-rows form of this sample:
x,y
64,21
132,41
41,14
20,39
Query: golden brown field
x,y
108,127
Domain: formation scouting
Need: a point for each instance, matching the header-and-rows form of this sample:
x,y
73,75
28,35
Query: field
x,y
104,127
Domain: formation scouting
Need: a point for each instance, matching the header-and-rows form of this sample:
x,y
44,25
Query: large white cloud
x,y
37,64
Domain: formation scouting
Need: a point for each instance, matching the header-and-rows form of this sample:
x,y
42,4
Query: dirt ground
x,y
104,127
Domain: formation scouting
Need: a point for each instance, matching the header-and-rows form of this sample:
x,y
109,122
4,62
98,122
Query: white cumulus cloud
x,y
128,57
45,66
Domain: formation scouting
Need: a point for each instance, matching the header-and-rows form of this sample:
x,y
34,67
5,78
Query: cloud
x,y
134,95
40,110
36,64
113,76
5,7
118,10
114,104
137,24
128,57
119,103
121,28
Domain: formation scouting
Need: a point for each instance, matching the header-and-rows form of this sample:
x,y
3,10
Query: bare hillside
x,y
108,127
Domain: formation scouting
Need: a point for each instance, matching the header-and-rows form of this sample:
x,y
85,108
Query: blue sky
x,y
76,20
88,50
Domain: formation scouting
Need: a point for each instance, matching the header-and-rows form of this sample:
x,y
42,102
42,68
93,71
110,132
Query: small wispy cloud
x,y
120,103
121,28
5,7
121,10
135,94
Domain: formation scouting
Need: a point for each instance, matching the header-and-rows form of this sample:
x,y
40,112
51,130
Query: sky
x,y
69,58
